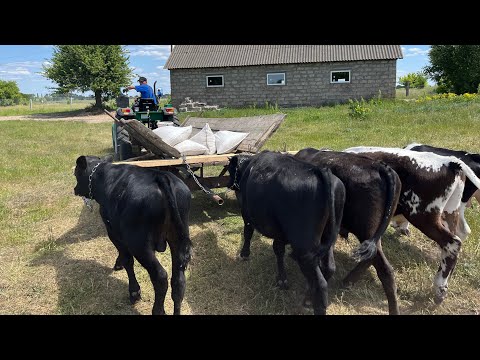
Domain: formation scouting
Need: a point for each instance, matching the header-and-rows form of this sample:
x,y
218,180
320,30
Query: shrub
x,y
358,109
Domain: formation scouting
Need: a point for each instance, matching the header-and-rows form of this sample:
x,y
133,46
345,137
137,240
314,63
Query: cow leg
x,y
449,260
120,258
327,267
279,250
177,282
158,276
385,274
354,275
450,245
327,264
316,281
247,237
125,260
463,230
133,286
476,194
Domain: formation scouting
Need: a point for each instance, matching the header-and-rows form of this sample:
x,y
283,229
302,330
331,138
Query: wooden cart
x,y
191,168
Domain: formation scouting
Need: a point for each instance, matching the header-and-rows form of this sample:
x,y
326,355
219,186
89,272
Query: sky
x,y
23,64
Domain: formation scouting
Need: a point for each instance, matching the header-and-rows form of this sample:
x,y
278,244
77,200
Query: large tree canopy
x,y
102,69
455,68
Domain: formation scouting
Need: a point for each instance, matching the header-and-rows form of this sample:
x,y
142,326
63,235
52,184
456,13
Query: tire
x,y
122,145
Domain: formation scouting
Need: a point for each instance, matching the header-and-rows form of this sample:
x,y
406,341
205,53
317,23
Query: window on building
x,y
340,76
214,80
276,79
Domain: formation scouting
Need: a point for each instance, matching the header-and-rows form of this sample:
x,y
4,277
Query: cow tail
x,y
368,248
329,192
183,237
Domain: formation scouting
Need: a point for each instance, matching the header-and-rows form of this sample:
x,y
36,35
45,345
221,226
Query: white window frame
x,y
223,81
278,73
341,82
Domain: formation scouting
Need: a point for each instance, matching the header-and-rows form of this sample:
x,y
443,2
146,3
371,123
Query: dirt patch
x,y
83,117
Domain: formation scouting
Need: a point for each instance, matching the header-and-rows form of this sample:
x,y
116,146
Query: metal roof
x,y
206,56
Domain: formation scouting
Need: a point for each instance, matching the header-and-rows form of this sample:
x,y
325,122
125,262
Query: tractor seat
x,y
147,104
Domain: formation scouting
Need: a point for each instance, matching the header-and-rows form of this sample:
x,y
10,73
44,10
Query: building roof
x,y
205,56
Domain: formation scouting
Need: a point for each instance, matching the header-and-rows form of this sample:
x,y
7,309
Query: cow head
x,y
83,169
235,168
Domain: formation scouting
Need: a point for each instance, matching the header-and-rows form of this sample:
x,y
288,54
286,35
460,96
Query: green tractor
x,y
145,111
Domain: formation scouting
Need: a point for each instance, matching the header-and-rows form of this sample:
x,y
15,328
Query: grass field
x,y
55,257
45,108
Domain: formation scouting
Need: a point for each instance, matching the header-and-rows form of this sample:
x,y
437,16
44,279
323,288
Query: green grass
x,y
415,93
56,257
46,108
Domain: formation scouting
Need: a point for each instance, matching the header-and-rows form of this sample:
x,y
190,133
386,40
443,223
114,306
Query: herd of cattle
x,y
305,200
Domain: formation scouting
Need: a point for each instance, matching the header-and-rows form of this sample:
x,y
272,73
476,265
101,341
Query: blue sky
x,y
22,63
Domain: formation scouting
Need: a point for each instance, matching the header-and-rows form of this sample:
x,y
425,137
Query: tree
x,y
102,69
415,80
10,93
9,90
455,68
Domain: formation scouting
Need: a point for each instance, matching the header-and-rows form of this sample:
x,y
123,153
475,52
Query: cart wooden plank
x,y
191,160
260,128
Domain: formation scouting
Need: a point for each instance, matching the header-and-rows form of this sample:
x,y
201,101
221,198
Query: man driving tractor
x,y
144,89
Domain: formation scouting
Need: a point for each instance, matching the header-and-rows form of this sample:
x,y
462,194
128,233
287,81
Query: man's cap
x,y
142,79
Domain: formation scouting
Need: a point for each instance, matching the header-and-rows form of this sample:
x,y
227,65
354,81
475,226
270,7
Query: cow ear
x,y
82,162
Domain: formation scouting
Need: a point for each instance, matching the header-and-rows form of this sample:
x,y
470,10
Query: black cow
x,y
143,210
432,188
291,202
372,193
473,161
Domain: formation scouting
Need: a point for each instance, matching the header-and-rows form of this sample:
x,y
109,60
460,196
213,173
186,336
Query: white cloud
x,y
414,51
161,52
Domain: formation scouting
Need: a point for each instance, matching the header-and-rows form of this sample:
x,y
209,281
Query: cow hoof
x,y
307,303
346,285
117,267
243,257
440,295
405,232
282,284
135,296
158,311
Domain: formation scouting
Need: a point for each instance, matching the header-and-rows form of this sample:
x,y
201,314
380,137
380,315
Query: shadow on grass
x,y
84,286
223,284
204,209
368,291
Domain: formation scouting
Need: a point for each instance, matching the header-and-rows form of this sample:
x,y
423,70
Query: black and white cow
x,y
143,210
432,188
473,161
291,202
372,193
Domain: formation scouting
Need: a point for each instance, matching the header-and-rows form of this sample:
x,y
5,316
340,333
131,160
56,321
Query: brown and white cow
x,y
470,190
432,188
